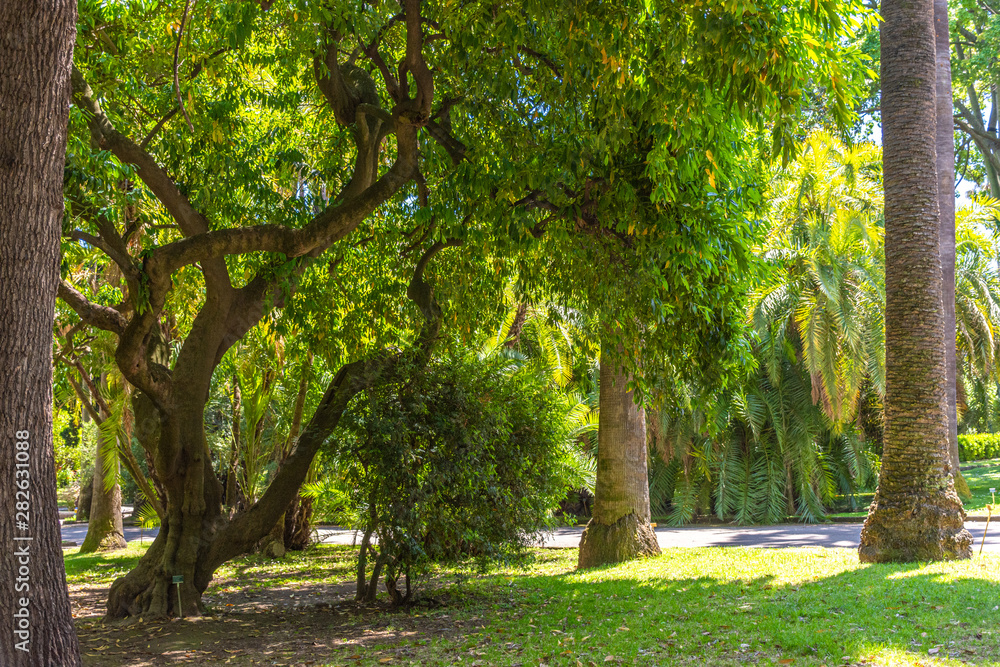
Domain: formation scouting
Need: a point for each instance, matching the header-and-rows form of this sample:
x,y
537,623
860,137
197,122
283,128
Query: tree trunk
x,y
945,146
85,499
195,538
36,51
916,514
298,524
232,484
104,530
619,529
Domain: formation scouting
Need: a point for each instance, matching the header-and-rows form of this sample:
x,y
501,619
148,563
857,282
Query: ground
x,y
714,606
981,476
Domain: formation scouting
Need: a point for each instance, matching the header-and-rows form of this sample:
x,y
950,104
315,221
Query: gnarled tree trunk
x,y
36,50
619,529
916,514
195,537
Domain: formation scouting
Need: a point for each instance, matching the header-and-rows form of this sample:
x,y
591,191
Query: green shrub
x,y
466,459
977,446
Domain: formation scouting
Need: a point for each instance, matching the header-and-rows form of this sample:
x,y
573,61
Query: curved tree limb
x,y
248,527
104,134
122,261
102,317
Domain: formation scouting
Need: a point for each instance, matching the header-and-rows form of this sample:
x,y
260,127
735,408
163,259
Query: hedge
x,y
978,446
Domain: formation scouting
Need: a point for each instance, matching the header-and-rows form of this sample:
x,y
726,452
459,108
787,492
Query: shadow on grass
x,y
720,606
752,606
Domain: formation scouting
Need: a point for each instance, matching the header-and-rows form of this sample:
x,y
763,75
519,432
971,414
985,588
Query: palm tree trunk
x,y
916,514
104,506
619,529
36,54
104,528
945,146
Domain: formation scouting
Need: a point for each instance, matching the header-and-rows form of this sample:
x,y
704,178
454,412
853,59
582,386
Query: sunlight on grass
x,y
101,568
735,606
710,606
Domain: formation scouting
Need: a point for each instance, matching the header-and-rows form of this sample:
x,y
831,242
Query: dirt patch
x,y
308,624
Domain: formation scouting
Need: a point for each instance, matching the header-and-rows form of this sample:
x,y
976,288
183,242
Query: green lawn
x,y
980,475
688,607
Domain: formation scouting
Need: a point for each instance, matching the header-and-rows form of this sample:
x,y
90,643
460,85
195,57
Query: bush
x,y
977,446
465,459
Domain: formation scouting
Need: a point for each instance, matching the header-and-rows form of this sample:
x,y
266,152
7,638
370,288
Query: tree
x,y
945,150
975,94
462,459
36,47
645,227
150,246
113,442
916,514
619,529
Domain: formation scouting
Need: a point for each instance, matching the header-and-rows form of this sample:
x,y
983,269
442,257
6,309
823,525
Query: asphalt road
x,y
843,535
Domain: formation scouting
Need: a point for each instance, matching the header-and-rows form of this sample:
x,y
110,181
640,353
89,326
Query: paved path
x,y
845,535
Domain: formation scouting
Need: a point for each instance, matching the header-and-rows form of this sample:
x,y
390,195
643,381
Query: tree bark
x,y
945,146
104,507
195,538
916,514
619,528
104,529
85,499
36,51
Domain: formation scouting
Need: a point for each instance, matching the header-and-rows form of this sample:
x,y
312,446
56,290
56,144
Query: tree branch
x,y
124,262
980,135
415,63
104,134
248,527
177,82
102,317
158,127
455,148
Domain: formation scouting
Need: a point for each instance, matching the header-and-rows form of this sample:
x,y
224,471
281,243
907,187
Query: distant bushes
x,y
977,446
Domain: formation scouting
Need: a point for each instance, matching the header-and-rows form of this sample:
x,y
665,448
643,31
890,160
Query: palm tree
x,y
784,442
916,514
944,140
977,309
825,297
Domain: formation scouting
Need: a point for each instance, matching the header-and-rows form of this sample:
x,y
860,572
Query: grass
x,y
980,475
718,606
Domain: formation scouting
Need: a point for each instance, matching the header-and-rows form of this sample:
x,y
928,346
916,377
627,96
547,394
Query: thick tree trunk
x,y
916,514
619,529
195,538
193,515
36,50
945,147
104,530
